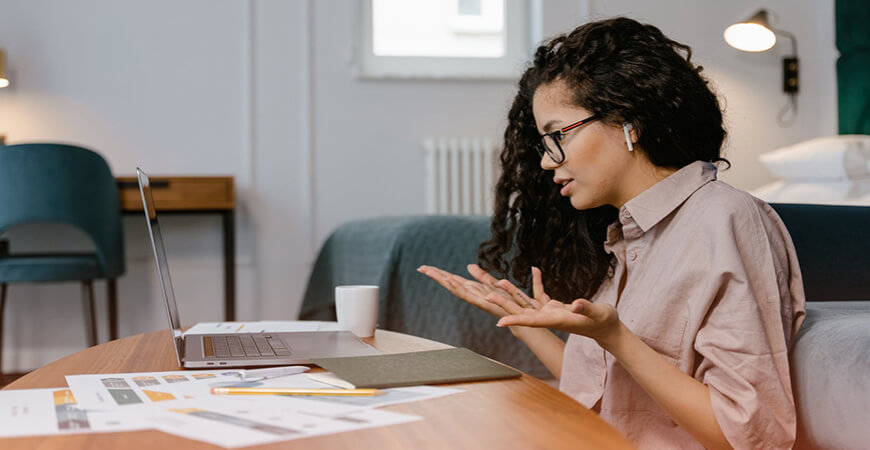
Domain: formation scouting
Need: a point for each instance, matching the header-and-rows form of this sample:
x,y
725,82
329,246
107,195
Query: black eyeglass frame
x,y
556,137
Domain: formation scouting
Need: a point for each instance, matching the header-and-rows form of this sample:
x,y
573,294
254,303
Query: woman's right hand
x,y
476,291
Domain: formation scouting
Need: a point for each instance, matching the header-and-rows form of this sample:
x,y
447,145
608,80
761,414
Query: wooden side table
x,y
184,195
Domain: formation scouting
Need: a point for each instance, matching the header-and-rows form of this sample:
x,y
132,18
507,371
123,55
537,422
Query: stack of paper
x,y
181,403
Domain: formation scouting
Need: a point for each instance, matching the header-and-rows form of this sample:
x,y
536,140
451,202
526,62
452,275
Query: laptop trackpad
x,y
317,343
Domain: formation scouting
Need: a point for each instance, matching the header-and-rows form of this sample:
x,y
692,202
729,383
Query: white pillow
x,y
844,192
833,157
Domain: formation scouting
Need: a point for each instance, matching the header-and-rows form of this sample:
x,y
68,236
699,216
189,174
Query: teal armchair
x,y
55,183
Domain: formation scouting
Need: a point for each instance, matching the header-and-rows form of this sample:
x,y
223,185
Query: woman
x,y
693,288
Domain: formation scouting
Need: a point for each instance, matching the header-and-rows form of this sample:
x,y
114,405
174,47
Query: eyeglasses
x,y
550,142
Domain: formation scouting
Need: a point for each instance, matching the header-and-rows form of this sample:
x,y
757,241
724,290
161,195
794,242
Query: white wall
x,y
281,194
751,84
262,90
166,86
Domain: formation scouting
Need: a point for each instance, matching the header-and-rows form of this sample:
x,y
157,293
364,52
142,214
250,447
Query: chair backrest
x,y
833,248
63,184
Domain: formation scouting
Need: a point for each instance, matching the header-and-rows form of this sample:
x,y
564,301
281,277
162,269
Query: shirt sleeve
x,y
743,342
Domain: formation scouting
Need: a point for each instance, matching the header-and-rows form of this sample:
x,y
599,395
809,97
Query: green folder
x,y
452,365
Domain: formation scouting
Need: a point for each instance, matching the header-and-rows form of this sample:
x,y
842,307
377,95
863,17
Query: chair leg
x,y
2,308
89,312
112,296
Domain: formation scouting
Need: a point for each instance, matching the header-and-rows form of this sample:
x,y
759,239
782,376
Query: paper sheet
x,y
223,421
203,389
30,412
181,403
390,396
235,423
115,390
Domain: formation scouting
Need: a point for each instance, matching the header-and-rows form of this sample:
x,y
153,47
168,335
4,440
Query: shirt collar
x,y
657,202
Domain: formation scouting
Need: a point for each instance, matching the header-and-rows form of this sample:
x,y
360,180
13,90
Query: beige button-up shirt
x,y
712,283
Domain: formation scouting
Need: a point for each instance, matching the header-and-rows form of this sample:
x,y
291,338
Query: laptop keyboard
x,y
243,346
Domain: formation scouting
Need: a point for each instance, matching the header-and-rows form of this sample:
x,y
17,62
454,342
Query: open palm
x,y
477,291
594,320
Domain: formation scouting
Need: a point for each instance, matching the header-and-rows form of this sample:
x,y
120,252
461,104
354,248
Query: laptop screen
x,y
162,264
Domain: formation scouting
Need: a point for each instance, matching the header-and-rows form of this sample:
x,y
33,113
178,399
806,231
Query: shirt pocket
x,y
664,332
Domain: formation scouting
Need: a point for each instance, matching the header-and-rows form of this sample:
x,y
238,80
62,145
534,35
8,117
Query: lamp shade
x,y
751,35
3,81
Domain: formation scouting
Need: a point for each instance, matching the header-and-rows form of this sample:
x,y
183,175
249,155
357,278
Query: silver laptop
x,y
240,349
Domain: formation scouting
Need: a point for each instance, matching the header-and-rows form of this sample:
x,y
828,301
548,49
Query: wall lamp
x,y
3,80
756,35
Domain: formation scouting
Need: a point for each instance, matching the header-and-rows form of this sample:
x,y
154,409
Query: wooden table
x,y
504,414
191,195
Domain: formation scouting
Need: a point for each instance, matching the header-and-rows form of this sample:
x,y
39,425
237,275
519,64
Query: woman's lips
x,y
565,188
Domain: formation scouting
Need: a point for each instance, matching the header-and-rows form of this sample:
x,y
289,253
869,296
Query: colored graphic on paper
x,y
203,376
69,417
158,396
237,421
114,382
125,396
175,378
145,381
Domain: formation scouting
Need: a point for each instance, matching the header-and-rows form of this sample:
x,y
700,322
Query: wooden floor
x,y
7,378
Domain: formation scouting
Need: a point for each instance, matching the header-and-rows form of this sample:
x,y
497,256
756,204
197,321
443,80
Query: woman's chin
x,y
581,202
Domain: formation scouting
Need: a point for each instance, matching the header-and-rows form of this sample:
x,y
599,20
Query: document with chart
x,y
112,391
237,422
182,403
31,412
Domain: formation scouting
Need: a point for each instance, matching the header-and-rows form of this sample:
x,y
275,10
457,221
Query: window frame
x,y
367,65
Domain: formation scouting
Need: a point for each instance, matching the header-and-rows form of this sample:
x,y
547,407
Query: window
x,y
443,38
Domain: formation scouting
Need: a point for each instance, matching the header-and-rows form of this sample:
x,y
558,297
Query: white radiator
x,y
460,175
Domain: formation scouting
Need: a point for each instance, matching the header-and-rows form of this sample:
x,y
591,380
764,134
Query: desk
x,y
502,414
189,195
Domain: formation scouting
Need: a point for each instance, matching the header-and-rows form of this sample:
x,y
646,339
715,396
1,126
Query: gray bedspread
x,y
830,361
386,252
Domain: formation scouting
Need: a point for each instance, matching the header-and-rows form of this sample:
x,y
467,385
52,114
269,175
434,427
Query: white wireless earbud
x,y
626,128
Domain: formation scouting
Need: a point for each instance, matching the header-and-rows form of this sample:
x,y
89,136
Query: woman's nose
x,y
547,162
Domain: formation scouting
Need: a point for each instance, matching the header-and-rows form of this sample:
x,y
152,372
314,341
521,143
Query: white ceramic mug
x,y
356,308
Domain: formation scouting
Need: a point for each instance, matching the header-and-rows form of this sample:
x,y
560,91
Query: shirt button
x,y
632,255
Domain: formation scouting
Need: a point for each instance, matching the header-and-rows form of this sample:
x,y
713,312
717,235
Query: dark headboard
x,y
833,247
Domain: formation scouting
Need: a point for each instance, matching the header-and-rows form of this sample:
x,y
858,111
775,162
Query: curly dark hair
x,y
621,71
